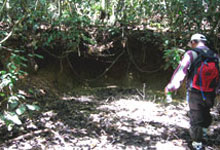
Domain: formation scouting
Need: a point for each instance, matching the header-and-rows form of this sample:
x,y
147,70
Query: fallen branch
x,y
28,135
6,48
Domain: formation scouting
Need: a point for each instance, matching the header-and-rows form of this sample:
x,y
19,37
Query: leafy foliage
x,y
172,57
50,22
13,104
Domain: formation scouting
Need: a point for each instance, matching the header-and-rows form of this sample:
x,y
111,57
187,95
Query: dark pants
x,y
200,116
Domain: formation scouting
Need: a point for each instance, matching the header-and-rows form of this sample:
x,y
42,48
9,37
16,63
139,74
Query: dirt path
x,y
108,120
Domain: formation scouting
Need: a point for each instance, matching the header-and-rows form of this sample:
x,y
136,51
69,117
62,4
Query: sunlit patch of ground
x,y
120,124
154,125
105,119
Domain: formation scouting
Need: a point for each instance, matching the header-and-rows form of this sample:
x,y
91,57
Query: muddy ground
x,y
106,118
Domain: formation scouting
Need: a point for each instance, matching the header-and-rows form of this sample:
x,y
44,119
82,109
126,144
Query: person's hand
x,y
165,91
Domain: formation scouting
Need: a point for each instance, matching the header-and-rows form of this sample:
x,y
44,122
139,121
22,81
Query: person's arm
x,y
180,72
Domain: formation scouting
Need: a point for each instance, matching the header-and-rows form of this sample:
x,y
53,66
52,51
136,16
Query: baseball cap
x,y
198,37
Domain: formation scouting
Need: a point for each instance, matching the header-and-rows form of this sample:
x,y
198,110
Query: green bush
x,y
13,105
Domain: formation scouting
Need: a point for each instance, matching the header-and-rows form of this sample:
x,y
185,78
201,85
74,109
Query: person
x,y
200,100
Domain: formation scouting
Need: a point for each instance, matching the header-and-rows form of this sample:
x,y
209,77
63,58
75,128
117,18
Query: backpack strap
x,y
200,81
192,69
206,53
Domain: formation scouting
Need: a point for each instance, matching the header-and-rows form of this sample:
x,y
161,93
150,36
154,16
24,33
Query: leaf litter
x,y
106,120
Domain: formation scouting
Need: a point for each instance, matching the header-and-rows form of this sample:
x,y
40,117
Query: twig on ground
x,y
109,99
176,136
28,135
142,93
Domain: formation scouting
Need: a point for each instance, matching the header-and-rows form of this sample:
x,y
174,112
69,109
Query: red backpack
x,y
204,71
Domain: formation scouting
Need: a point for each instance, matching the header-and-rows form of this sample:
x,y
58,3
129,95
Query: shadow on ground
x,y
107,119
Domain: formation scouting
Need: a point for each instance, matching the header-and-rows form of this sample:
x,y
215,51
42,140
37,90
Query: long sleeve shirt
x,y
182,69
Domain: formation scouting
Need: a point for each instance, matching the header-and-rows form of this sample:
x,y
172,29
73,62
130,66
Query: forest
x,y
90,74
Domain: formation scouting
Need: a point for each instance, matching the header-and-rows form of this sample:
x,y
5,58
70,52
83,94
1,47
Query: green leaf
x,y
2,117
43,1
11,98
21,96
2,94
3,72
39,56
13,102
23,58
10,126
30,55
30,91
21,110
13,67
13,105
13,117
16,51
11,85
24,65
33,107
35,27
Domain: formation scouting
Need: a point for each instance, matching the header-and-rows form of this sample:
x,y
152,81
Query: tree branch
x,y
7,37
12,31
4,4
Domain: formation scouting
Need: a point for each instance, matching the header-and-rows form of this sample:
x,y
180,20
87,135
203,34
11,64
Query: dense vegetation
x,y
29,29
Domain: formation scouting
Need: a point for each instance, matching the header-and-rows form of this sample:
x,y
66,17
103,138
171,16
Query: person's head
x,y
197,39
